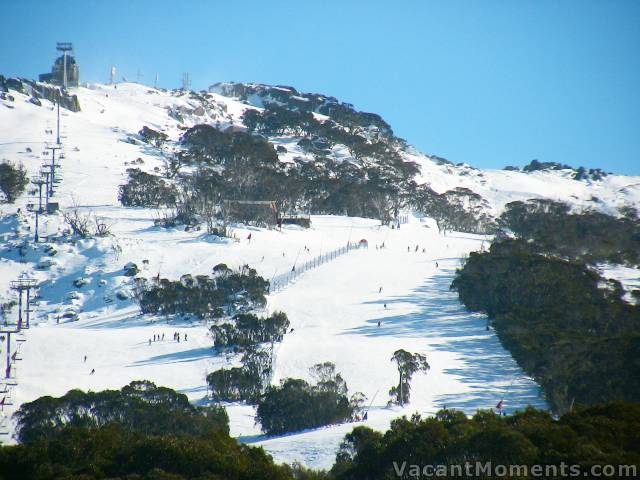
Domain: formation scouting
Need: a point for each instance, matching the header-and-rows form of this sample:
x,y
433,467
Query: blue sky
x,y
490,83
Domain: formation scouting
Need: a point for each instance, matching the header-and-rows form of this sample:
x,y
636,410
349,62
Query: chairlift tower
x,y
64,47
58,124
21,285
46,174
39,182
52,168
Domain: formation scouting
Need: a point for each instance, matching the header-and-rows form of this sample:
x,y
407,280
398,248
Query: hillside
x,y
354,310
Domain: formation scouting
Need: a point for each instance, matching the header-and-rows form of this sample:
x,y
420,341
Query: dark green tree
x,y
13,180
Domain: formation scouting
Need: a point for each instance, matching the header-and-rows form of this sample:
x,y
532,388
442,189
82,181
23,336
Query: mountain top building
x,y
65,64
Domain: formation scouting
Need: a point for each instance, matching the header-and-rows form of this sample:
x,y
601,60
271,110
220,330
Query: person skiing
x,y
249,237
378,324
93,370
149,342
380,290
85,359
408,248
185,337
385,306
436,264
366,416
163,336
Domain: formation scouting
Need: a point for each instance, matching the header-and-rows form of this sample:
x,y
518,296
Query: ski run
x,y
354,310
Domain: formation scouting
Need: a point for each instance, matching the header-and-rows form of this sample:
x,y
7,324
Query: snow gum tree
x,y
407,364
13,180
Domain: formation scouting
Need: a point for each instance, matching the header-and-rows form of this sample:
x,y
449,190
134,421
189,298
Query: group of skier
x,y
159,338
424,250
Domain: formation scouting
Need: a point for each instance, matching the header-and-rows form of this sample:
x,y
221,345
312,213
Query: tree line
x,y
216,166
564,324
151,433
225,293
607,434
589,235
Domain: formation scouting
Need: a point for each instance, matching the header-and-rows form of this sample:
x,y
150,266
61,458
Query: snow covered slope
x,y
85,306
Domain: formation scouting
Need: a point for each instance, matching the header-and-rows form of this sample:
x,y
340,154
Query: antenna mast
x,y
186,82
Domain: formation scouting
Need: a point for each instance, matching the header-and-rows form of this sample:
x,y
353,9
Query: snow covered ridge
x,y
37,91
127,108
583,189
263,96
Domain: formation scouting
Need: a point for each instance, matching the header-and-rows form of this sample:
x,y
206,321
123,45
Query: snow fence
x,y
279,282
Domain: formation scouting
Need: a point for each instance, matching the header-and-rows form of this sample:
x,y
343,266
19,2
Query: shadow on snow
x,y
485,366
